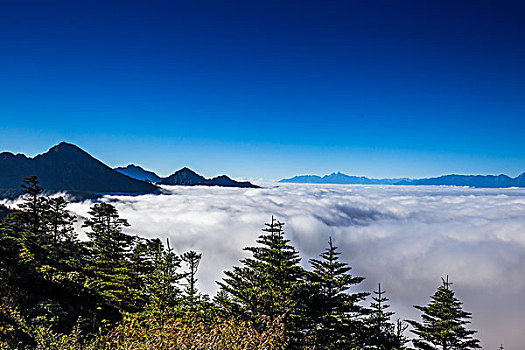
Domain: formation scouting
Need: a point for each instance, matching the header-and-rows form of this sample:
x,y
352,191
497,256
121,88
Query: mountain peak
x,y
64,148
184,176
65,145
130,167
139,173
188,177
66,167
186,170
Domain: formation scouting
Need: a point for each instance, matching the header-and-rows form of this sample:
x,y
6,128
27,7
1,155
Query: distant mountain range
x,y
67,168
484,181
182,177
187,177
342,179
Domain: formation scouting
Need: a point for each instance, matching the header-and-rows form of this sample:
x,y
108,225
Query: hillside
x,y
67,168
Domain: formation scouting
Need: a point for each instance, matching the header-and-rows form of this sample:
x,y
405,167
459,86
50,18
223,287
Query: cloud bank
x,y
407,238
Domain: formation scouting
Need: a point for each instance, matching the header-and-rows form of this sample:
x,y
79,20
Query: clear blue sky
x,y
269,88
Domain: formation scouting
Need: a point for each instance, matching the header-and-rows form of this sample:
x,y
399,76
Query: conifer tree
x,y
268,285
384,334
59,221
62,244
339,321
36,274
34,205
192,259
108,265
33,211
107,241
140,264
161,287
444,322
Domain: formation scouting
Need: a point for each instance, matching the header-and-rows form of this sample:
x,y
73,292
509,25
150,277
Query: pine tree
x,y
34,205
444,322
107,241
161,287
339,319
269,285
108,267
384,334
33,211
63,248
192,259
59,221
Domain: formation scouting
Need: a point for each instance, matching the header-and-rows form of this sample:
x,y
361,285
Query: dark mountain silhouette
x,y
484,181
66,167
187,177
139,173
184,177
225,181
340,178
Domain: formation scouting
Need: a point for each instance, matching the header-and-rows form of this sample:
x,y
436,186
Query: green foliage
x,y
164,332
444,322
339,317
191,333
192,259
118,291
59,221
384,334
34,205
161,285
40,274
107,241
4,212
107,265
268,285
14,331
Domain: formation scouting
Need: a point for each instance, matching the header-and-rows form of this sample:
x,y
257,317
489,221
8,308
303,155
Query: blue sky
x,y
269,88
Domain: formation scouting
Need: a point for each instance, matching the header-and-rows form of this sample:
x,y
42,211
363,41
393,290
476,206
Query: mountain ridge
x,y
187,177
67,168
341,179
183,177
478,181
139,173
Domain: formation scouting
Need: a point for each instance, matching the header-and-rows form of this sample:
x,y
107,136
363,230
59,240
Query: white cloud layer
x,y
407,238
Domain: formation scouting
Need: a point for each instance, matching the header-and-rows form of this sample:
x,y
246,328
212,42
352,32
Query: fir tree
x,y
107,241
33,210
383,333
59,221
268,285
339,319
161,287
444,322
34,205
62,244
108,266
192,259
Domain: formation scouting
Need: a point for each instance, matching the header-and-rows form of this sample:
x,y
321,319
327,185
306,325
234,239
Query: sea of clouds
x,y
407,238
